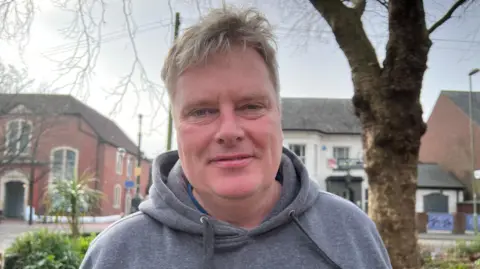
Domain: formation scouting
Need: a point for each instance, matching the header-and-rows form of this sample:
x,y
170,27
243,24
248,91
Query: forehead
x,y
238,74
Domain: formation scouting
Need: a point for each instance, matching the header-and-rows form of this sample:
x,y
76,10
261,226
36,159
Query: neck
x,y
246,213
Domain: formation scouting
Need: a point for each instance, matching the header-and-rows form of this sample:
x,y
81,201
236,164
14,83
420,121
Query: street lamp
x,y
472,148
138,199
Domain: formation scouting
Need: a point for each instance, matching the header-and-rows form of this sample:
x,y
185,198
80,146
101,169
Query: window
x,y
299,150
315,159
129,167
119,163
341,152
117,195
128,203
19,134
64,163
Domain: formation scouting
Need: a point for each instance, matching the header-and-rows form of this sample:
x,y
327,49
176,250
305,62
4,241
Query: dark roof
x,y
332,116
57,104
461,99
431,175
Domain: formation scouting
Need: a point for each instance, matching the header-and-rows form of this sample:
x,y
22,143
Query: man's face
x,y
228,125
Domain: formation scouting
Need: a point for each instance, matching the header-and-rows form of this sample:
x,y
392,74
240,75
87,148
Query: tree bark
x,y
386,100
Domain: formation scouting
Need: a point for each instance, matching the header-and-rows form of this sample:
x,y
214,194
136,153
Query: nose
x,y
229,131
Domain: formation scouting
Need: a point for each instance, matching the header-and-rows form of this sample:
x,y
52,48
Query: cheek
x,y
268,135
192,140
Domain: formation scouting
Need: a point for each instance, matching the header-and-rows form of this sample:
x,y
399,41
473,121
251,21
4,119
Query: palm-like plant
x,y
72,198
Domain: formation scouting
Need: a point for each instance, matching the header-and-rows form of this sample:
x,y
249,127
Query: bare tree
x,y
386,95
22,138
23,128
387,102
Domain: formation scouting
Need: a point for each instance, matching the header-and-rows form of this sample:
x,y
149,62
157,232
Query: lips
x,y
231,157
232,161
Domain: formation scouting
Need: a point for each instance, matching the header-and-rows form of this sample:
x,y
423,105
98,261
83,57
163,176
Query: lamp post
x,y
472,148
137,199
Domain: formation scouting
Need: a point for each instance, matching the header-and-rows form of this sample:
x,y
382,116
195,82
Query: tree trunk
x,y
386,100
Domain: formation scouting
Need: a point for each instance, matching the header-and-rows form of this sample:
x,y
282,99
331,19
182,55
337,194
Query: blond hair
x,y
216,33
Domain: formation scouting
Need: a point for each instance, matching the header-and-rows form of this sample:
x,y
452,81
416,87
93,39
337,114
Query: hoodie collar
x,y
170,204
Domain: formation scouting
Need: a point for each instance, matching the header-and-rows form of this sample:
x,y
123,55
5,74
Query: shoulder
x,y
110,247
349,227
341,208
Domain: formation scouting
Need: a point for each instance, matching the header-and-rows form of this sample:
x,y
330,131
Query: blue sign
x,y
440,221
469,224
129,184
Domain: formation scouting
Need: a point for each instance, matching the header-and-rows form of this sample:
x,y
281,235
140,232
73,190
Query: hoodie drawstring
x,y
208,243
317,247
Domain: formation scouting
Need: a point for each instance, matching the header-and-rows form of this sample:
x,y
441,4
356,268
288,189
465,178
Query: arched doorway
x,y
13,193
14,204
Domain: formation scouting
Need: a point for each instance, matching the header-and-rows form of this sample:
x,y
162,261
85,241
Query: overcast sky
x,y
311,64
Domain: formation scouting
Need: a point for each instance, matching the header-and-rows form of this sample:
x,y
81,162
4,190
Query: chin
x,y
236,188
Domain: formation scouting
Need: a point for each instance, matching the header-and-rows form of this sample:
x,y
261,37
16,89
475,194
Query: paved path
x,y
10,229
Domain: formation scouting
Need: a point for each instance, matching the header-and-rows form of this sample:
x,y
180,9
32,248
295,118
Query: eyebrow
x,y
205,102
198,103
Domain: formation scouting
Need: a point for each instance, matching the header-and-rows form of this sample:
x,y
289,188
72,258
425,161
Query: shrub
x,y
44,250
82,243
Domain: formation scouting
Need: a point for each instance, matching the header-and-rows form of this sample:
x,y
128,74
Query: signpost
x,y
344,164
129,184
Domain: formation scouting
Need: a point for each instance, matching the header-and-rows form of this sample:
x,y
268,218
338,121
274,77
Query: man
x,y
232,196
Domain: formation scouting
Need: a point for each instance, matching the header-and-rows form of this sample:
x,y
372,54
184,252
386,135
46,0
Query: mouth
x,y
231,161
231,158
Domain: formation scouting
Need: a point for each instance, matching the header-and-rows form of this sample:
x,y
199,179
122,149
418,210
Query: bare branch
x,y
384,3
16,17
359,6
350,35
145,84
447,15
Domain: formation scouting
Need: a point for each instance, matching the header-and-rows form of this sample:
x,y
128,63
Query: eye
x,y
252,110
252,107
203,112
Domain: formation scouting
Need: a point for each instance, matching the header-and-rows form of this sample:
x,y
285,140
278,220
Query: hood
x,y
170,204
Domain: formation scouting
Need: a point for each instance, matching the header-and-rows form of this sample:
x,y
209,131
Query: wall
x,y
55,132
110,179
453,197
320,170
447,139
73,132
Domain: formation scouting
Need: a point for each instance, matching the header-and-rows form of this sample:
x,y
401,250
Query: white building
x,y
321,130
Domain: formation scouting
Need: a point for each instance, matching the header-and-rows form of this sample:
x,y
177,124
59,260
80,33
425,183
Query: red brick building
x,y
447,140
58,137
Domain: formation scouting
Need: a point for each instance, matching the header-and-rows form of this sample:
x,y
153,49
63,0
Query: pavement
x,y
11,229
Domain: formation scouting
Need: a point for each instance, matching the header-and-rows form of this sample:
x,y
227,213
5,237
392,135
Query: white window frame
x,y
130,167
315,159
64,162
119,163
128,203
117,196
301,145
334,149
17,144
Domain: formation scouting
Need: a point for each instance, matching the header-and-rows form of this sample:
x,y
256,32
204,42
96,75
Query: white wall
x,y
452,199
320,170
354,142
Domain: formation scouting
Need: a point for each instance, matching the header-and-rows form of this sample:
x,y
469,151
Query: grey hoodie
x,y
308,228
